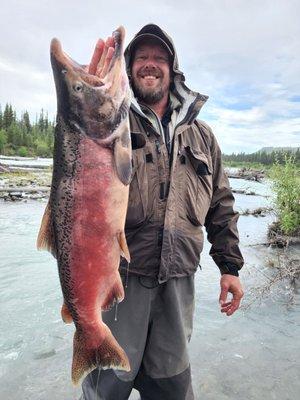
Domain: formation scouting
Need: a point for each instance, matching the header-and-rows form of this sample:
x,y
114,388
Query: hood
x,y
191,101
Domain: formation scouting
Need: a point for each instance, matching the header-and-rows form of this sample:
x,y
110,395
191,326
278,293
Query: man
x,y
178,186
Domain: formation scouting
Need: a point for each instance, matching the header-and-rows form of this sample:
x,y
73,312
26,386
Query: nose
x,y
150,65
150,62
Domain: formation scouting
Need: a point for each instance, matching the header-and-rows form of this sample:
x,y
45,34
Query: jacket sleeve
x,y
221,219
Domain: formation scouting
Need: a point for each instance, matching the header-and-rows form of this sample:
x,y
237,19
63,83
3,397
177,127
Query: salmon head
x,y
90,108
93,106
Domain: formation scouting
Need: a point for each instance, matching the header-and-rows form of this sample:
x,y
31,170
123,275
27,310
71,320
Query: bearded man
x,y
178,186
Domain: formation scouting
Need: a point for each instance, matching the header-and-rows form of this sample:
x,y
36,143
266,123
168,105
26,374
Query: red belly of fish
x,y
95,252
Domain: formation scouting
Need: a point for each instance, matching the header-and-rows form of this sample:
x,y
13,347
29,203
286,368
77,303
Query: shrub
x,y
3,140
42,149
286,185
23,152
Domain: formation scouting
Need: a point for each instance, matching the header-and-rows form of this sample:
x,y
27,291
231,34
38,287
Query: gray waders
x,y
153,324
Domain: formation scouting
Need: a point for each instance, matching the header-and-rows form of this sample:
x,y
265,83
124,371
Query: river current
x,y
252,355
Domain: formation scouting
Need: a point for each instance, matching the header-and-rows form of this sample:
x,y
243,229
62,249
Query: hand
x,y
101,58
232,284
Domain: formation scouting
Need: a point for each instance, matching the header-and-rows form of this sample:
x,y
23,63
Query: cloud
x,y
244,55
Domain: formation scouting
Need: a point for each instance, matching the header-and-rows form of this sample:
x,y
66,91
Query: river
x,y
252,355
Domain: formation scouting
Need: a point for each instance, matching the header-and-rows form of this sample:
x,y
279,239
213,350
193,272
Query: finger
x,y
96,57
226,309
231,311
223,295
109,55
234,307
236,303
103,55
226,304
110,42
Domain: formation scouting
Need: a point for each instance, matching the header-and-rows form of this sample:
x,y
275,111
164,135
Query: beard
x,y
147,96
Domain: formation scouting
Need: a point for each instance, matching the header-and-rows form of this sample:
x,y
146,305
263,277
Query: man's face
x,y
150,73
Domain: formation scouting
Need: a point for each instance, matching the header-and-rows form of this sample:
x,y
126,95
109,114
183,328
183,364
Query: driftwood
x,y
248,174
284,241
257,212
276,237
25,189
4,168
246,192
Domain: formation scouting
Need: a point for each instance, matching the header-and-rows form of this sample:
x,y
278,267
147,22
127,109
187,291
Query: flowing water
x,y
252,355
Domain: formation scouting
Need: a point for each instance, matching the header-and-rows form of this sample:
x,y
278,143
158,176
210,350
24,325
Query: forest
x,y
19,136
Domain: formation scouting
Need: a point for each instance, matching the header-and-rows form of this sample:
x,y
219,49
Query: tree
x,y
8,116
3,140
1,117
25,121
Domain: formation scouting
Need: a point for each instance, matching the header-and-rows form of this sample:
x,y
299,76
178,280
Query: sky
x,y
245,55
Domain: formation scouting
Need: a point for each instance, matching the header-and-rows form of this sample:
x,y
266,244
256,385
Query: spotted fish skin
x,y
83,224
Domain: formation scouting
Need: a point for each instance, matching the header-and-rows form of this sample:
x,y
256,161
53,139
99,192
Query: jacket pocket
x,y
197,184
138,191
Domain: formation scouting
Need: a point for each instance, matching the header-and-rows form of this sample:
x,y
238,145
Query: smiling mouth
x,y
149,78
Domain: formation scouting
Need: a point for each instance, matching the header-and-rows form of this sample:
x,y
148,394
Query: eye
x,y
78,87
161,59
141,57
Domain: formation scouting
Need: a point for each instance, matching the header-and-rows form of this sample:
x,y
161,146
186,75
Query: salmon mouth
x,y
69,66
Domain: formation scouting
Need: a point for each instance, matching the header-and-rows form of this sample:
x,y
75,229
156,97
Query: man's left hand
x,y
231,284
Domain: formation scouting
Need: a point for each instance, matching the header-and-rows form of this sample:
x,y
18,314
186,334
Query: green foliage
x,y
260,157
21,137
22,151
42,149
3,140
286,184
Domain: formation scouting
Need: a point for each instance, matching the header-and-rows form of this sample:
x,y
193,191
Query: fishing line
x,y
97,382
116,312
127,275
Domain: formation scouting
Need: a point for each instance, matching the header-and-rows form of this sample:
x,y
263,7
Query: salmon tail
x,y
45,240
108,355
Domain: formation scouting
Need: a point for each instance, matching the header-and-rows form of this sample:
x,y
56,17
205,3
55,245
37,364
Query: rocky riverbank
x,y
34,183
248,174
276,237
21,186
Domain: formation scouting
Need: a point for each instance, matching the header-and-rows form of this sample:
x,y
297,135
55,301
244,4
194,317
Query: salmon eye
x,y
78,87
64,71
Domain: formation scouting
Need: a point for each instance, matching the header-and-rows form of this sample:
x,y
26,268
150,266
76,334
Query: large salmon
x,y
83,224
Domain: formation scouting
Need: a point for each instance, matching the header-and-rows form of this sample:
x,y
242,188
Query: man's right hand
x,y
101,58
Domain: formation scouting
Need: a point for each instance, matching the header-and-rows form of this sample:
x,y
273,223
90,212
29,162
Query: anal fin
x,y
123,246
115,295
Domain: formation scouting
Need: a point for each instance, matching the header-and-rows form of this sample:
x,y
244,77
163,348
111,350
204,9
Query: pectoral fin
x,y
122,155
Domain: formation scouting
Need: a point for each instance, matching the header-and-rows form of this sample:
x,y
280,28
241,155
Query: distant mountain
x,y
270,150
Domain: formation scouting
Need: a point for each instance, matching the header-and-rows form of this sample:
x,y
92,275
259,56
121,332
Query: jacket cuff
x,y
230,269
